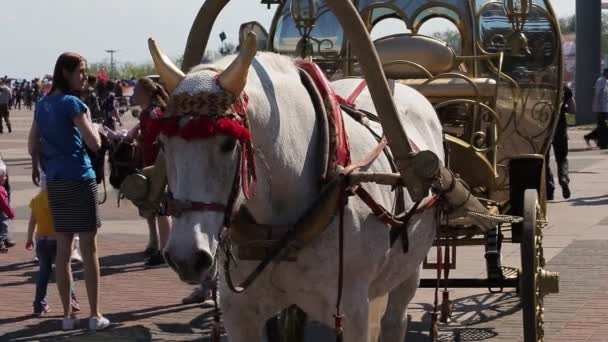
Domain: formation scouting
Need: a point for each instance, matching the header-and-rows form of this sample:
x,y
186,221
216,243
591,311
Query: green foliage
x,y
179,60
451,38
94,68
568,25
128,70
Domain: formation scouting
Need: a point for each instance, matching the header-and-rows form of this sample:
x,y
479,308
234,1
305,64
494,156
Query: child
x,y
6,212
46,249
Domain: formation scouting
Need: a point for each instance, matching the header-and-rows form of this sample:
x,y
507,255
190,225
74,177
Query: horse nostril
x,y
203,261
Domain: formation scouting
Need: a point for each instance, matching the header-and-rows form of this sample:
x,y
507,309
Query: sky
x,y
34,32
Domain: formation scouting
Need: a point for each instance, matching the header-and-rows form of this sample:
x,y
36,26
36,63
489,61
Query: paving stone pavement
x,y
145,304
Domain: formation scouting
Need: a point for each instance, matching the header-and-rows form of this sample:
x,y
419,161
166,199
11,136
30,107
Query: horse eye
x,y
228,145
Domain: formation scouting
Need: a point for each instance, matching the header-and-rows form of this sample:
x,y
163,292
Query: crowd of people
x,y
66,208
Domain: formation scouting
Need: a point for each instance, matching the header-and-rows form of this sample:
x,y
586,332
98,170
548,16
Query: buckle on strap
x,y
177,207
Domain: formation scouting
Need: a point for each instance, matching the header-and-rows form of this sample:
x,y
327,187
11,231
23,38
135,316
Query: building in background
x,y
569,54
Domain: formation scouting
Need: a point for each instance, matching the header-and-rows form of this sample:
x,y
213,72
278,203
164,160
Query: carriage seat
x,y
453,87
413,59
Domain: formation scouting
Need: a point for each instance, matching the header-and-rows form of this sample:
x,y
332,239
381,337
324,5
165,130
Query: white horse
x,y
284,129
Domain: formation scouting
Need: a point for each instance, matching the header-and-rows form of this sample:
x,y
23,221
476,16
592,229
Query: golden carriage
x,y
496,90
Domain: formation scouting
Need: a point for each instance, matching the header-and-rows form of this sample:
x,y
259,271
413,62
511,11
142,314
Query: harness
x,y
228,116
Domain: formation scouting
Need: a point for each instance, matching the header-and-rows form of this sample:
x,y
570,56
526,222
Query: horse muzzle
x,y
190,270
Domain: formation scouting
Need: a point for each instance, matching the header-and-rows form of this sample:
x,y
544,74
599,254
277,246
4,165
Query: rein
x,y
235,124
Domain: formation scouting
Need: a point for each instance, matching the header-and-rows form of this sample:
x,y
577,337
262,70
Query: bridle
x,y
234,123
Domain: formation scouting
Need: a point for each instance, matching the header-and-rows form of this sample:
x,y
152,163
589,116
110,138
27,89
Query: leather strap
x,y
207,206
379,211
367,160
355,94
276,250
338,316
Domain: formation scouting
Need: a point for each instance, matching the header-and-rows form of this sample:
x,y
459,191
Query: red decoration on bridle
x,y
204,127
232,123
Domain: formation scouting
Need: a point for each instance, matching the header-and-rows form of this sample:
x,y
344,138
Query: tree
x,y
130,70
451,38
568,25
94,68
179,60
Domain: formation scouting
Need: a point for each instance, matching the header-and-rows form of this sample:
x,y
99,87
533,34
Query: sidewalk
x,y
144,304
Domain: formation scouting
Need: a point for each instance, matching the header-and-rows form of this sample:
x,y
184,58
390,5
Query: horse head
x,y
206,143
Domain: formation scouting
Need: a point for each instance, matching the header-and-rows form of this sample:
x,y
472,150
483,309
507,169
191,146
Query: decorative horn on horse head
x,y
234,78
169,73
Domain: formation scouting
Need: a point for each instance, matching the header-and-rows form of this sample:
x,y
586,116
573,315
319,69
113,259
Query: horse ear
x,y
234,78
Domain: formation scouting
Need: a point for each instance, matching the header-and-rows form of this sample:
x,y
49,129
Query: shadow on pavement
x,y
18,266
467,312
136,315
584,172
50,329
589,201
109,265
121,263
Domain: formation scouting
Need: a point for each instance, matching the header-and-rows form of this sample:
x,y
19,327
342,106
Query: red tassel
x,y
204,127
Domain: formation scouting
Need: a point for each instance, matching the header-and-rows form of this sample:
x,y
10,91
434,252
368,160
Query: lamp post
x,y
271,2
304,13
112,52
517,12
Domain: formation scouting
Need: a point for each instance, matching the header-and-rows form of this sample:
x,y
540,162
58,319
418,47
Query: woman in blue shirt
x,y
58,136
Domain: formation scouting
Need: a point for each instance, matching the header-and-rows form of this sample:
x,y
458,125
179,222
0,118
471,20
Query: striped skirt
x,y
74,205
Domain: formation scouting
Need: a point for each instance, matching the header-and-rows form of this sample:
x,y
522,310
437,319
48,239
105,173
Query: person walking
x,y
35,90
5,99
17,93
600,106
59,133
27,95
560,148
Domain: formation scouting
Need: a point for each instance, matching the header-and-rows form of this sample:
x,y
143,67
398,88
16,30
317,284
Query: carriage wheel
x,y
531,306
534,281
